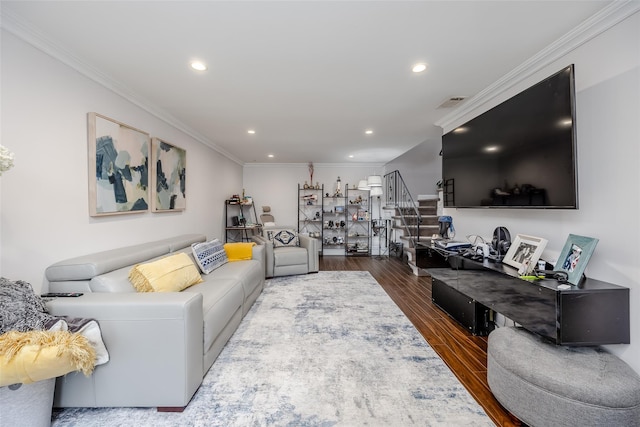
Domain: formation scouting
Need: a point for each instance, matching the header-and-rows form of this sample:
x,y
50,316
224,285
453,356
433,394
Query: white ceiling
x,y
309,76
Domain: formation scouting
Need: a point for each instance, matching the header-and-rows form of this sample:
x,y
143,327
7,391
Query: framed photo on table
x,y
524,253
575,256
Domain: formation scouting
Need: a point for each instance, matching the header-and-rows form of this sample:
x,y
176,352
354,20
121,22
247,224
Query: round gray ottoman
x,y
548,385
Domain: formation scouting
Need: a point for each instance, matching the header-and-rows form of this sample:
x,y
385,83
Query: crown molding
x,y
612,14
315,165
15,25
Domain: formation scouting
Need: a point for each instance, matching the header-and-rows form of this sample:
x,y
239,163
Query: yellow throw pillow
x,y
170,274
239,251
26,357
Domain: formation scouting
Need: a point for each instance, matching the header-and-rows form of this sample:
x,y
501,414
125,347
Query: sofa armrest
x,y
268,254
311,245
258,254
155,345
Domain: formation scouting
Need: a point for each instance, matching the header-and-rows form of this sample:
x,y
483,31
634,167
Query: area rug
x,y
326,349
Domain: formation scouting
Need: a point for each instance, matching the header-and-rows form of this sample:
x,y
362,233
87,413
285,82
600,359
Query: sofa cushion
x,y
221,299
249,273
183,241
169,274
284,237
113,281
209,255
290,256
239,251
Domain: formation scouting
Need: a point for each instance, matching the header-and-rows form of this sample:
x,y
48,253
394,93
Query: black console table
x,y
594,313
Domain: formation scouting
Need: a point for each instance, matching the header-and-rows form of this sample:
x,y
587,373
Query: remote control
x,y
62,294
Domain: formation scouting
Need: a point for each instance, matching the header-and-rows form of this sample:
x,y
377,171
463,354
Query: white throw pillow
x,y
209,255
282,238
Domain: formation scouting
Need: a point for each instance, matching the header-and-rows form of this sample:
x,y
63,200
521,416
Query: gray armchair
x,y
290,260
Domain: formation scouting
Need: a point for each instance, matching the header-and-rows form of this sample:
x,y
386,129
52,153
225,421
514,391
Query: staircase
x,y
413,223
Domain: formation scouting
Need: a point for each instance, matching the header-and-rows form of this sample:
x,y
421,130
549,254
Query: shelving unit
x,y
380,237
241,221
310,203
358,241
334,224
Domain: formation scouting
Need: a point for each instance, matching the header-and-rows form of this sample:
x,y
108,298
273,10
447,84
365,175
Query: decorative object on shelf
x,y
118,167
338,192
575,256
501,242
524,253
6,159
447,230
311,173
168,177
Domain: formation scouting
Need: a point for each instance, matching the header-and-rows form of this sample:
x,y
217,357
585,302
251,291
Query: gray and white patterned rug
x,y
326,349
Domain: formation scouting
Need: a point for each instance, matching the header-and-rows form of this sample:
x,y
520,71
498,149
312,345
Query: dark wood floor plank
x,y
463,353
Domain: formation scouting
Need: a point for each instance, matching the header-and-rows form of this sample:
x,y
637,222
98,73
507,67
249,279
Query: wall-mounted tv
x,y
519,154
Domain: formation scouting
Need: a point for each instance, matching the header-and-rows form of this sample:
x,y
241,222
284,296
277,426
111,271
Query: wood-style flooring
x,y
465,354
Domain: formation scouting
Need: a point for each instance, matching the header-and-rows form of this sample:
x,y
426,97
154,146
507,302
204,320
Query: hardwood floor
x,y
465,354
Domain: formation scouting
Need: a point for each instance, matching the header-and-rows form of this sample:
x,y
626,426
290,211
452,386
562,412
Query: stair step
x,y
417,271
424,239
408,242
426,220
431,228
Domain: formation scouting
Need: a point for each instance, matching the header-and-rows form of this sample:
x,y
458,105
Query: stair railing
x,y
398,197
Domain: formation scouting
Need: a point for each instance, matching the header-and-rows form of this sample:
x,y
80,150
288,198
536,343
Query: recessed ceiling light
x,y
199,66
368,132
251,131
351,156
418,68
271,156
491,148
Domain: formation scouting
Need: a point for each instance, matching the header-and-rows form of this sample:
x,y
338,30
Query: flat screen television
x,y
519,154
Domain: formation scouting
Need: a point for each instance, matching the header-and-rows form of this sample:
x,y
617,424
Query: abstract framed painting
x,y
168,177
118,167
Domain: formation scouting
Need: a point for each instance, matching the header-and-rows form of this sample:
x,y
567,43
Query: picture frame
x,y
575,256
168,177
118,158
524,253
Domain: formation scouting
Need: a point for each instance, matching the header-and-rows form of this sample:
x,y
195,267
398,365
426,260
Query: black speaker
x,y
501,241
235,221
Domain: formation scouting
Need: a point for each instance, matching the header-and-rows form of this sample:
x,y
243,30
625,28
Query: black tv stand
x,y
594,313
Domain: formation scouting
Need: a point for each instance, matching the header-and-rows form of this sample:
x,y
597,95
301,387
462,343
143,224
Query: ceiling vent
x,y
454,101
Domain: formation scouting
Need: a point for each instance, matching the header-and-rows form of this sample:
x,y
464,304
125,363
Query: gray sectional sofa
x,y
161,344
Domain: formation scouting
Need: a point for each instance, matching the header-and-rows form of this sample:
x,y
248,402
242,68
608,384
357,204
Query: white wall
x,y
44,198
276,185
607,72
420,167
